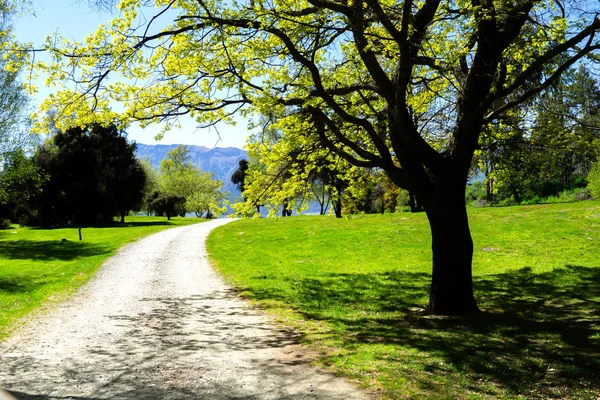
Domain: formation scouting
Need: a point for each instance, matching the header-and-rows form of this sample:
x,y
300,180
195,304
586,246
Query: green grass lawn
x,y
355,288
36,265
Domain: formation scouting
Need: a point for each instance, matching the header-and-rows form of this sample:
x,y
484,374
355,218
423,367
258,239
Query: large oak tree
x,y
403,86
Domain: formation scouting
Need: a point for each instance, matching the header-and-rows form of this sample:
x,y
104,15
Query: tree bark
x,y
337,206
488,191
451,290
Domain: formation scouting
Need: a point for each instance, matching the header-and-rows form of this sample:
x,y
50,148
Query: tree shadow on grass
x,y
539,334
47,250
113,224
24,284
141,223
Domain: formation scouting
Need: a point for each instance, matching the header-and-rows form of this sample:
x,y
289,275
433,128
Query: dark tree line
x,y
82,176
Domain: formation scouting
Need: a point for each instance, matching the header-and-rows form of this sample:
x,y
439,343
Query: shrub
x,y
5,223
475,191
479,203
168,204
533,200
583,194
403,198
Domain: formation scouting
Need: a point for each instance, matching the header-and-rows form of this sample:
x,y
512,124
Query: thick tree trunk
x,y
451,290
337,206
489,191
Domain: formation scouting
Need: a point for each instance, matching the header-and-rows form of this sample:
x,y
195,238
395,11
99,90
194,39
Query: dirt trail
x,y
158,323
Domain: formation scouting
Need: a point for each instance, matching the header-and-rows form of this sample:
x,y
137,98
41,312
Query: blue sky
x,y
74,20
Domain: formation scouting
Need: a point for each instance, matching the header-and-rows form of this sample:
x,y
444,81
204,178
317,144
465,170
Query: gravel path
x,y
158,323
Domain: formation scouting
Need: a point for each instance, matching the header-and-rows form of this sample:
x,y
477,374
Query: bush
x,y
475,191
403,198
567,196
5,223
583,194
167,204
479,203
594,180
533,200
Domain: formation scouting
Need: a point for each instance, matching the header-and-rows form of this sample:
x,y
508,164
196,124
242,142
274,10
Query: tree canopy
x,y
93,176
403,86
547,147
14,100
202,193
20,181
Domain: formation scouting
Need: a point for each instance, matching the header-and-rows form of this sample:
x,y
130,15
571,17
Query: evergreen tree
x,y
93,176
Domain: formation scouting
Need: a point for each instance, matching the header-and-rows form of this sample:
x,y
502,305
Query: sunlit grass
x,y
37,264
356,289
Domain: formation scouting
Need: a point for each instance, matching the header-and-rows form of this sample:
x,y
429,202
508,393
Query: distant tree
x,y
239,175
209,197
176,161
384,194
167,204
152,183
20,180
321,194
288,175
238,178
93,176
565,139
546,147
594,180
178,176
329,173
14,101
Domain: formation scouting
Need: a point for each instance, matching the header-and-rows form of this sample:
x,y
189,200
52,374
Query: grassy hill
x,y
355,288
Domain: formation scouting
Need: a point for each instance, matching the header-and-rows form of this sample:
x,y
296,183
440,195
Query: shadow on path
x,y
196,347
